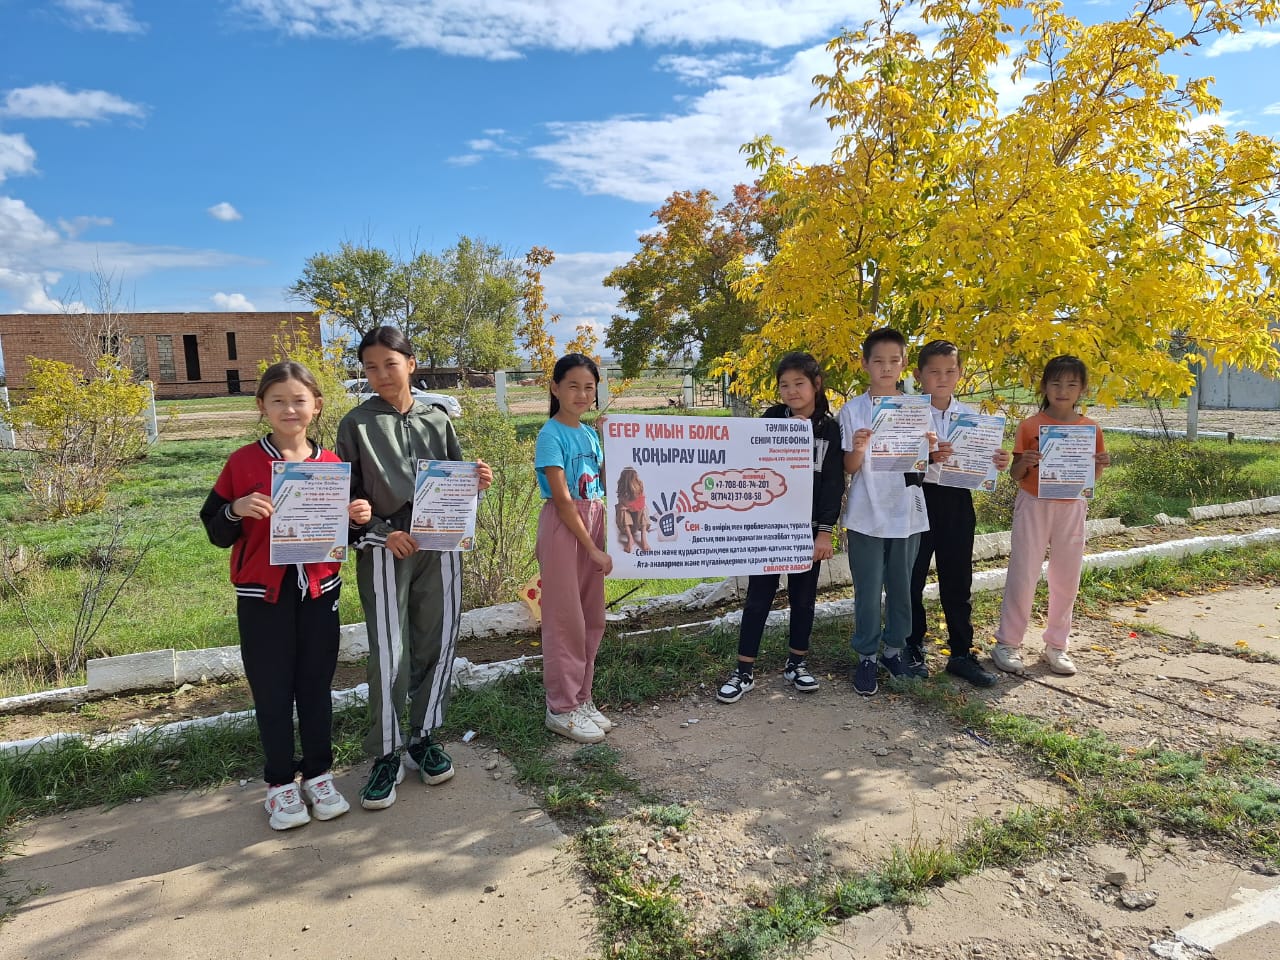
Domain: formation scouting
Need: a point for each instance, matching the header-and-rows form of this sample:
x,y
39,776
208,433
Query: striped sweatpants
x,y
412,610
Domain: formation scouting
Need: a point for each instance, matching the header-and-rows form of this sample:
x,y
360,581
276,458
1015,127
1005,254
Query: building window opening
x,y
191,350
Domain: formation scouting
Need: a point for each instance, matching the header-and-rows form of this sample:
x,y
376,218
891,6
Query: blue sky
x,y
202,150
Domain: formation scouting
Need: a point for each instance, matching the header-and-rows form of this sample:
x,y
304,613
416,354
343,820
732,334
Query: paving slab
x,y
1224,618
194,876
1070,910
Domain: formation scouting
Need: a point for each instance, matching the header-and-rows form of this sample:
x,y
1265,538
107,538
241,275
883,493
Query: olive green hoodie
x,y
383,447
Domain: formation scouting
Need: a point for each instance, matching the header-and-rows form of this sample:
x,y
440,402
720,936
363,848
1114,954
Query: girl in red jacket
x,y
288,615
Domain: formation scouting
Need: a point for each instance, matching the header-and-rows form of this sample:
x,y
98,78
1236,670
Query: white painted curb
x,y
466,675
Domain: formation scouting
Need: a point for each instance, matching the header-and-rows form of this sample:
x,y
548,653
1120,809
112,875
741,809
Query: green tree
x,y
459,307
679,291
474,304
355,287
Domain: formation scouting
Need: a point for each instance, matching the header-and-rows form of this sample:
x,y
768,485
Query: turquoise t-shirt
x,y
576,451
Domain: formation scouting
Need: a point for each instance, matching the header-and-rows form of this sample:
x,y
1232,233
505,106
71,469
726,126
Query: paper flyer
x,y
1067,467
898,428
974,437
446,496
309,511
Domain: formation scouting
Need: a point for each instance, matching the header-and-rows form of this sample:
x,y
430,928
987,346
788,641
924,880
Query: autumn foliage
x,y
680,290
1091,217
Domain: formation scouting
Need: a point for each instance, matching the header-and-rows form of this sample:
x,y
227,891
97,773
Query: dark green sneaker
x,y
430,760
379,791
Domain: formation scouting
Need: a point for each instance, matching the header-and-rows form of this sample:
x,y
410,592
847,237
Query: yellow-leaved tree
x,y
1092,217
538,342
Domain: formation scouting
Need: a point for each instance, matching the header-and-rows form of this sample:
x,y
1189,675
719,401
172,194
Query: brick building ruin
x,y
184,354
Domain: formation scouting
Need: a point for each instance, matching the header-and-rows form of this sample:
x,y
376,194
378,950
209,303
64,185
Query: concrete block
x,y
353,642
498,621
211,663
835,572
133,671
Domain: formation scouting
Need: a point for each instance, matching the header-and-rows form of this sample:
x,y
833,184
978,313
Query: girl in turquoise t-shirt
x,y
570,548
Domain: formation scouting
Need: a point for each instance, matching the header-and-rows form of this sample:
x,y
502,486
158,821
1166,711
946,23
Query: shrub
x,y
995,510
1180,468
82,432
503,559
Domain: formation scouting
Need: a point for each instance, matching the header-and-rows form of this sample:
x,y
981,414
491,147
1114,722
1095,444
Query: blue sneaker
x,y
896,666
864,678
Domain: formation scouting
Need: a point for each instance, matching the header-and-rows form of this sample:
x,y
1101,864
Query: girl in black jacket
x,y
801,389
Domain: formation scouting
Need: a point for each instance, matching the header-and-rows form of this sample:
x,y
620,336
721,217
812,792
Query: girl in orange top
x,y
1040,523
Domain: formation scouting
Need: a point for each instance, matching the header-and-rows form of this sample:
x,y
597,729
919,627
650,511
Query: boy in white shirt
x,y
951,526
884,515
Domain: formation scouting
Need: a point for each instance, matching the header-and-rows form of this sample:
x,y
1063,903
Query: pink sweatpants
x,y
572,605
1037,525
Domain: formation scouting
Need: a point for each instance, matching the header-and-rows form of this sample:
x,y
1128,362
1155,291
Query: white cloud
x,y
494,142
78,225
1010,93
52,101
1272,109
646,158
1204,121
16,156
34,257
701,70
232,301
1243,42
574,289
503,29
224,212
102,15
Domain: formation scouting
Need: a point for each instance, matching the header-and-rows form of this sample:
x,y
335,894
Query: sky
x,y
199,151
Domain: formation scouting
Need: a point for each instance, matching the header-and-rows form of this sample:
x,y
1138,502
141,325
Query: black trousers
x,y
802,592
950,539
290,651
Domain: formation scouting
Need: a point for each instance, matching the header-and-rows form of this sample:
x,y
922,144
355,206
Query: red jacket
x,y
248,470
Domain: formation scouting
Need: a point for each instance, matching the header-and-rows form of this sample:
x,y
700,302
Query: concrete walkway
x,y
193,876
1227,618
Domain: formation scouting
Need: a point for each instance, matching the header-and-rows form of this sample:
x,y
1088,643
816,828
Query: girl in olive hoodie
x,y
412,598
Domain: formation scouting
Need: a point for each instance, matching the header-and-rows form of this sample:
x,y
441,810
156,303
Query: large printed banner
x,y
708,496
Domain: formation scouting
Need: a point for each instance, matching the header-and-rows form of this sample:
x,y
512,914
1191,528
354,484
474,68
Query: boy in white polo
x,y
884,515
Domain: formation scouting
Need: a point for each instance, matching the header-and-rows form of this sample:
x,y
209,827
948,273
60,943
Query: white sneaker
x,y
598,718
1058,661
1008,659
575,725
286,807
323,797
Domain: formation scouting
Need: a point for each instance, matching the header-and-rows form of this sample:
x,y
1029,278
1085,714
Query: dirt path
x,y
471,868
1064,908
